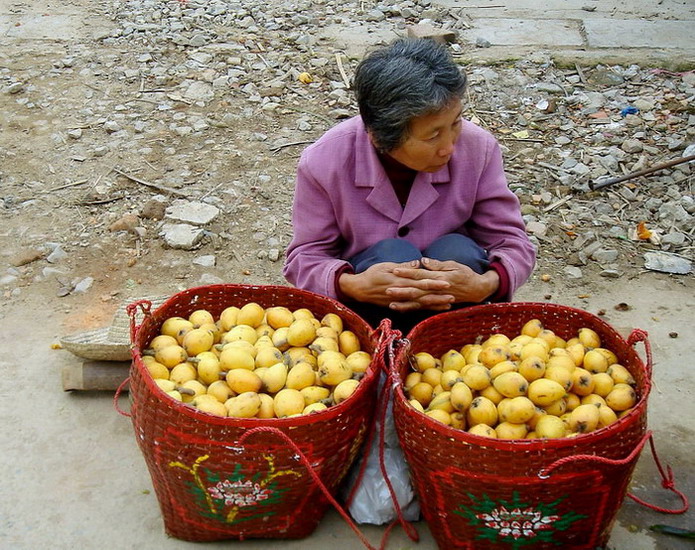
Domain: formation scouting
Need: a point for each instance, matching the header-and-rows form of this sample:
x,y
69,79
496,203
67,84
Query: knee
x,y
459,248
387,250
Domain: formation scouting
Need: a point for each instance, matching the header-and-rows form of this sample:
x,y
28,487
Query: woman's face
x,y
431,139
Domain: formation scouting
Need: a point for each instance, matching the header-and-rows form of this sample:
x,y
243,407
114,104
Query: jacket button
x,y
403,231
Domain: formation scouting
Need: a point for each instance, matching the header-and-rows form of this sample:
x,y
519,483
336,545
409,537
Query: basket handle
x,y
639,335
667,477
116,406
313,474
131,310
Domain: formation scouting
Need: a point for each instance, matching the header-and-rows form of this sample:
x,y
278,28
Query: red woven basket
x,y
214,478
483,493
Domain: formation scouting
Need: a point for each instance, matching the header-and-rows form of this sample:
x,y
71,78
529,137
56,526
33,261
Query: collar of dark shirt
x,y
400,176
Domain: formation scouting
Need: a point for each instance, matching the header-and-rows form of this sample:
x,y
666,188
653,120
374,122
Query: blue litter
x,y
629,111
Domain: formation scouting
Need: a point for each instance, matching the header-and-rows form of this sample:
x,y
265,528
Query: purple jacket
x,y
344,203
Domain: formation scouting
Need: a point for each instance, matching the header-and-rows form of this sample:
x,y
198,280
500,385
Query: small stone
x,y
75,133
481,42
198,213
182,236
128,222
111,126
573,272
56,255
25,257
426,30
84,285
667,263
273,254
153,210
205,261
632,146
15,88
610,273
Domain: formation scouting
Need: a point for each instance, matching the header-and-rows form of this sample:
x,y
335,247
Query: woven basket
x,y
110,343
482,493
213,479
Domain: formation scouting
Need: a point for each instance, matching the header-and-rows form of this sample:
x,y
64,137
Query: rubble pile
x,y
179,129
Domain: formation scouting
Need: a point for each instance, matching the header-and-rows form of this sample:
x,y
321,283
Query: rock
x,y
154,209
426,30
14,88
182,236
205,261
24,257
56,255
605,256
83,285
274,254
128,222
198,213
75,133
611,273
8,279
573,272
632,146
536,228
667,263
643,104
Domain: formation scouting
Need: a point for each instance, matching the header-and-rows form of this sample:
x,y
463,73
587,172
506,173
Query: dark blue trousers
x,y
453,246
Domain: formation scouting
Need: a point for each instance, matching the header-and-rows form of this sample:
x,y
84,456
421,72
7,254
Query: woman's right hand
x,y
379,285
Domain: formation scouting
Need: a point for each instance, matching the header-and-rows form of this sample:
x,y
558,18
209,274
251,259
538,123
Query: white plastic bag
x,y
371,502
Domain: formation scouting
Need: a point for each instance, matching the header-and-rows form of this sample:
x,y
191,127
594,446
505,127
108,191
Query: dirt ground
x,y
74,477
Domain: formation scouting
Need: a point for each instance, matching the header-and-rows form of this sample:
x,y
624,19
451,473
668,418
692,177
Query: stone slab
x,y
525,32
573,9
37,27
612,33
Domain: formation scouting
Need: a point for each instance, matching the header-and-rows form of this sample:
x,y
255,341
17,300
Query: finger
x,y
438,265
425,279
431,301
404,306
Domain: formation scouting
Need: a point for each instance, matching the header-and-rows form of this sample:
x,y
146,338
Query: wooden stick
x,y
148,184
95,375
282,146
73,184
346,80
600,185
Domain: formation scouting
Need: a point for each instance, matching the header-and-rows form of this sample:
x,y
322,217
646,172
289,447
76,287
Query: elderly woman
x,y
404,211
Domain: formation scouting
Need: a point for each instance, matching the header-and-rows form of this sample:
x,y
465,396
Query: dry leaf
x,y
642,232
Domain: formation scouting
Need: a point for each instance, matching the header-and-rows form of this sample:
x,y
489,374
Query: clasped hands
x,y
419,284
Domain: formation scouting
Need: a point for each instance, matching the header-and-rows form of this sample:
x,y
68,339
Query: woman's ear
x,y
374,142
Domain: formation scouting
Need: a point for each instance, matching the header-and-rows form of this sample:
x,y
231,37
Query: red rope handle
x,y
667,478
667,482
121,387
383,407
303,459
385,335
639,335
131,309
545,472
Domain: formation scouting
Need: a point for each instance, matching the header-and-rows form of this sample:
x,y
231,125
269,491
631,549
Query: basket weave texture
x,y
110,343
483,493
208,484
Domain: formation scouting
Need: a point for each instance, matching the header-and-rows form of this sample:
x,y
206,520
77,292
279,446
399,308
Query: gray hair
x,y
402,81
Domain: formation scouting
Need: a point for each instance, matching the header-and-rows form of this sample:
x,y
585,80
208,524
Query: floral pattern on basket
x,y
519,523
225,498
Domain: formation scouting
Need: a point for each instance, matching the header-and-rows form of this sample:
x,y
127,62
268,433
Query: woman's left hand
x,y
464,284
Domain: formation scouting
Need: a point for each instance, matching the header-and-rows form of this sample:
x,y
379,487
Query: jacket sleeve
x,y
497,225
313,255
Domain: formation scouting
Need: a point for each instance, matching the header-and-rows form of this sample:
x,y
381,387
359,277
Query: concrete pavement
x,y
646,33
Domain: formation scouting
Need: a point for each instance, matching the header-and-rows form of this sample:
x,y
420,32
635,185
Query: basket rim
x,y
463,436
371,374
